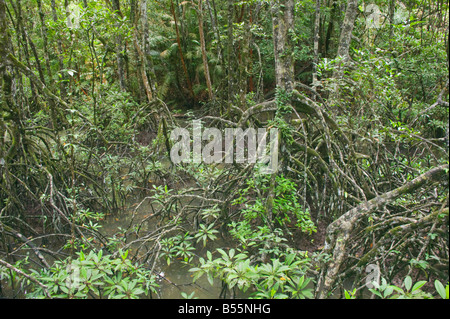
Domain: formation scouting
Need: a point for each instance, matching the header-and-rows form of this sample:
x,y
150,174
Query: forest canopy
x,y
92,204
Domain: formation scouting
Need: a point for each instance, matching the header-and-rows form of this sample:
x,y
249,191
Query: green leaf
x,y
347,295
138,291
210,279
308,293
389,290
440,289
418,285
408,283
376,292
300,281
398,289
224,254
289,259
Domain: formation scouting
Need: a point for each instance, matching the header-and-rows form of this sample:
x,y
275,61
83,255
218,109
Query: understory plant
x,y
384,290
262,265
95,276
286,208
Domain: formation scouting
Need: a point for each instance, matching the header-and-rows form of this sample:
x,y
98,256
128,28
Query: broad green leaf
x,y
376,292
388,291
138,291
440,288
398,289
289,259
418,285
408,283
300,281
210,279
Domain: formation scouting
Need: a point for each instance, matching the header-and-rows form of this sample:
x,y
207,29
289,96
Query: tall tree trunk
x,y
120,49
230,51
251,87
330,27
203,48
12,122
144,65
62,84
44,33
343,49
148,65
346,37
5,65
316,41
282,22
180,50
244,57
213,17
21,33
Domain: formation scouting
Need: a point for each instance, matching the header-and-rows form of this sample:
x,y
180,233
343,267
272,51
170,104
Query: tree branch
x,y
339,231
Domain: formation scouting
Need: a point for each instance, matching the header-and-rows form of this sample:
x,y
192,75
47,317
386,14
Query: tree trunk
x,y
282,22
346,37
180,50
316,42
62,84
230,52
120,49
20,32
213,17
244,58
330,27
144,65
203,48
148,63
5,47
44,33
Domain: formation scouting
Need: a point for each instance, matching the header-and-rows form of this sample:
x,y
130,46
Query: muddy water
x,y
175,278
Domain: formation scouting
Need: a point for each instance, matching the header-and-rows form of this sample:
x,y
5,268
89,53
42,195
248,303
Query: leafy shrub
x,y
95,275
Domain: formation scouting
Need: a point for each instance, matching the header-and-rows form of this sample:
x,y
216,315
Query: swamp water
x,y
175,278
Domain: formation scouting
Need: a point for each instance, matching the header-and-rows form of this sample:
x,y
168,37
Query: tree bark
x,y
62,85
330,28
180,50
5,46
213,17
282,22
148,63
44,33
203,48
345,37
316,41
119,49
230,53
145,65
